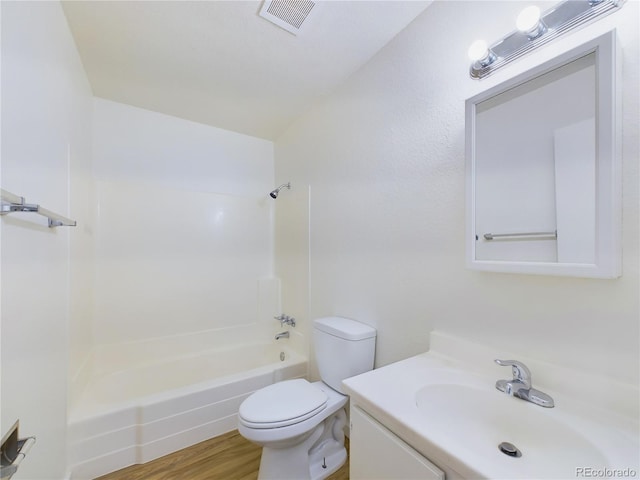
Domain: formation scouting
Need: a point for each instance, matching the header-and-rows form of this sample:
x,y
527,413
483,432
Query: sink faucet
x,y
520,385
282,335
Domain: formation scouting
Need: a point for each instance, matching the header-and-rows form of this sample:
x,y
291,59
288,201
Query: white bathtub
x,y
134,413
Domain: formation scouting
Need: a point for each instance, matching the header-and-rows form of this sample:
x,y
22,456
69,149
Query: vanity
x,y
439,415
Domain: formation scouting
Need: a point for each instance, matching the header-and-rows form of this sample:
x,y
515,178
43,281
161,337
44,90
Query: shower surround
x,y
184,293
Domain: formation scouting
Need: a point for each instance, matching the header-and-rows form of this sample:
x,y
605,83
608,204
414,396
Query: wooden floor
x,y
227,457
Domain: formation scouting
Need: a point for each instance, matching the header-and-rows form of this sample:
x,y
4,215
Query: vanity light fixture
x,y
535,28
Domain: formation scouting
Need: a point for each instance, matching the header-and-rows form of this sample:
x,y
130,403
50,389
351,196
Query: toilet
x,y
300,425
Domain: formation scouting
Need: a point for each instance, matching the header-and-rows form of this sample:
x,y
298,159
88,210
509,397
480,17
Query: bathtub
x,y
134,413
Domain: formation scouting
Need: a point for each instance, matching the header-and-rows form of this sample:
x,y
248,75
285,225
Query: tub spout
x,y
282,335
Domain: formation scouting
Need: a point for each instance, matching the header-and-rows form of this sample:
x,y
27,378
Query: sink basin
x,y
479,419
444,405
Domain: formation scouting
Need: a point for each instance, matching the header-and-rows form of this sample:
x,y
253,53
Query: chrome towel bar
x,y
492,236
10,203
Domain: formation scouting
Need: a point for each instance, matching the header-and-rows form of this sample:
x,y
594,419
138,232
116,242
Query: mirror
x,y
543,169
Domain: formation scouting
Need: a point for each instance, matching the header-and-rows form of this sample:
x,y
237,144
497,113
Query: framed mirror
x,y
543,168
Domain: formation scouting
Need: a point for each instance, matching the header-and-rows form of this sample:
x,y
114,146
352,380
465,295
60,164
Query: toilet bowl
x,y
299,424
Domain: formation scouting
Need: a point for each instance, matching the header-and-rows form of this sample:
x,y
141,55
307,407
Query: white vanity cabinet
x,y
377,454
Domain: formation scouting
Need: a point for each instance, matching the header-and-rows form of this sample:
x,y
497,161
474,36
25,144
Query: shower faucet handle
x,y
285,319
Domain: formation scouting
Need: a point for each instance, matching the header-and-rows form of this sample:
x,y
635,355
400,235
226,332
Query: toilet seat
x,y
282,404
268,434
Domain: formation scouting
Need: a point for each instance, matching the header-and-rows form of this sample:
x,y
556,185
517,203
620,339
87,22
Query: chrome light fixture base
x,y
554,22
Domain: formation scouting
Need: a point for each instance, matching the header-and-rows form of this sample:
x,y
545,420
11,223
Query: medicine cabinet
x,y
543,168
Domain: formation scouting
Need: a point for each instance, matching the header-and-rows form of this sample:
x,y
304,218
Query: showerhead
x,y
274,193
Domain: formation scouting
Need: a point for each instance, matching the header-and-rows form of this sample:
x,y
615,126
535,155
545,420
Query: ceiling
x,y
220,63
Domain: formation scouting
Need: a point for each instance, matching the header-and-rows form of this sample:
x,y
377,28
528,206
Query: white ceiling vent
x,y
288,14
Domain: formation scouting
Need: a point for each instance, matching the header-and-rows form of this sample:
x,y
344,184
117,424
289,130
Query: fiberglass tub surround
x,y
445,405
147,399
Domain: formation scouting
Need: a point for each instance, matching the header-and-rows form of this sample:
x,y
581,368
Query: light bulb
x,y
481,55
478,51
528,19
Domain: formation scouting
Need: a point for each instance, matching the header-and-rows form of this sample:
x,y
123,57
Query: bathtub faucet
x,y
286,319
282,335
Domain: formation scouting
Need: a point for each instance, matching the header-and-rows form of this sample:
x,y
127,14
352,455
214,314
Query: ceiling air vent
x,y
288,14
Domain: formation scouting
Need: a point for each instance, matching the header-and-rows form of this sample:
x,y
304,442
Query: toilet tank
x,y
343,348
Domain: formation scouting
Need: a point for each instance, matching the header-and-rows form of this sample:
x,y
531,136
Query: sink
x,y
445,406
479,419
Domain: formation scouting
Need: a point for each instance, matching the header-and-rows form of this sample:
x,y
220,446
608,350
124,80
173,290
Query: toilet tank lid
x,y
345,328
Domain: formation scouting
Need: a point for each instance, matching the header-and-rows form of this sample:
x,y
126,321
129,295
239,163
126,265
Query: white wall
x,y
184,231
46,154
384,158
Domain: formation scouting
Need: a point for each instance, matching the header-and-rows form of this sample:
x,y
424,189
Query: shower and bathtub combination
x,y
137,400
141,403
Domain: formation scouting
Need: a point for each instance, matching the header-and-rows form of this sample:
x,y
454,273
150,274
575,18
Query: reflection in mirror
x,y
535,169
543,171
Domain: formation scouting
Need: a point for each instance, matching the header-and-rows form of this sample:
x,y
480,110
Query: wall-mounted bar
x,y
10,203
534,235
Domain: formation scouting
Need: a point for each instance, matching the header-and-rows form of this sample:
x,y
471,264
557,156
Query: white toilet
x,y
300,424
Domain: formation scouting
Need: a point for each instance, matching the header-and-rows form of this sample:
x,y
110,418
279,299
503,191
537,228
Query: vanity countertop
x,y
451,412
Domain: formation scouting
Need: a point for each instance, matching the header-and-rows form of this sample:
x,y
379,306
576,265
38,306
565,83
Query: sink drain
x,y
509,449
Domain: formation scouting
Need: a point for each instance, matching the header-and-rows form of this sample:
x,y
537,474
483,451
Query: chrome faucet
x,y
282,335
520,385
286,320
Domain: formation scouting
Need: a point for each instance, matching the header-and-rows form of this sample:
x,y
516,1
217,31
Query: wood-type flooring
x,y
227,457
